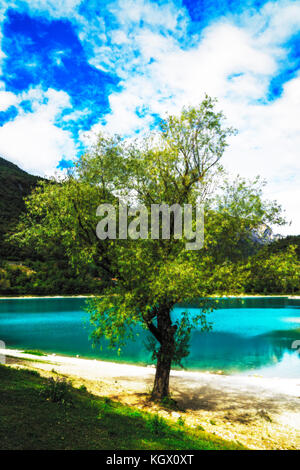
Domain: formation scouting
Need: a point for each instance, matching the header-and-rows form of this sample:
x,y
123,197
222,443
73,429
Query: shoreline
x,y
81,296
95,368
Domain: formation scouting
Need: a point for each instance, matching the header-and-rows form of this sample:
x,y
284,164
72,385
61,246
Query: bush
x,y
58,390
157,425
180,421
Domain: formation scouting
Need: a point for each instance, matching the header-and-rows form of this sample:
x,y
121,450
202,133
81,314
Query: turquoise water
x,y
249,336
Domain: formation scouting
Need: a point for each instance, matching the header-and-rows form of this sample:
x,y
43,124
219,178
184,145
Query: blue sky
x,y
72,68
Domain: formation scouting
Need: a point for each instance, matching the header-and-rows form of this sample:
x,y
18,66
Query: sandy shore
x,y
263,413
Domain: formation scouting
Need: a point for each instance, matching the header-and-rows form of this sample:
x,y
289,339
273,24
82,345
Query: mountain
x,y
275,243
15,184
264,235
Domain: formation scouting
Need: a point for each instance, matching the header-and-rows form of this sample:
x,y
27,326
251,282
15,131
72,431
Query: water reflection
x,y
230,352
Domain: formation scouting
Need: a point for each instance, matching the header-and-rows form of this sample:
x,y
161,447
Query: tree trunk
x,y
165,332
163,368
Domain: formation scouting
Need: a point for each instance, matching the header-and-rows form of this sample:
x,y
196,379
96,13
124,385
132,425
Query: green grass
x,y
34,352
29,421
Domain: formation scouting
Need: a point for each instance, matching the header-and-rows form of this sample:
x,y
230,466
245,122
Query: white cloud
x,y
7,99
268,144
162,76
54,8
75,115
33,140
128,12
276,21
176,77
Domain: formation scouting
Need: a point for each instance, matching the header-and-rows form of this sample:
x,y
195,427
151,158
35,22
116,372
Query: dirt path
x,y
262,413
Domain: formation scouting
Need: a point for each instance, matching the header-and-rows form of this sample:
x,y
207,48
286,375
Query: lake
x,y
249,336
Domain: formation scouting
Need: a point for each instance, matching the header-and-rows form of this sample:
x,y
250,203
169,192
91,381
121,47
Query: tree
x,y
274,272
178,165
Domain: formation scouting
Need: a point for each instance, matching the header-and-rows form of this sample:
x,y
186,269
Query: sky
x,y
72,68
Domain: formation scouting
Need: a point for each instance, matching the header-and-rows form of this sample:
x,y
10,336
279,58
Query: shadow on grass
x,y
29,421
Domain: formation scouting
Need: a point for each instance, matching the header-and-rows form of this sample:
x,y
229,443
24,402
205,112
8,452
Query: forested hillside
x,y
23,270
15,184
283,243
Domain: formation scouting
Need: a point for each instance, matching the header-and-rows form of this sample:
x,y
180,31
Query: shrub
x,y
180,421
58,390
157,425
